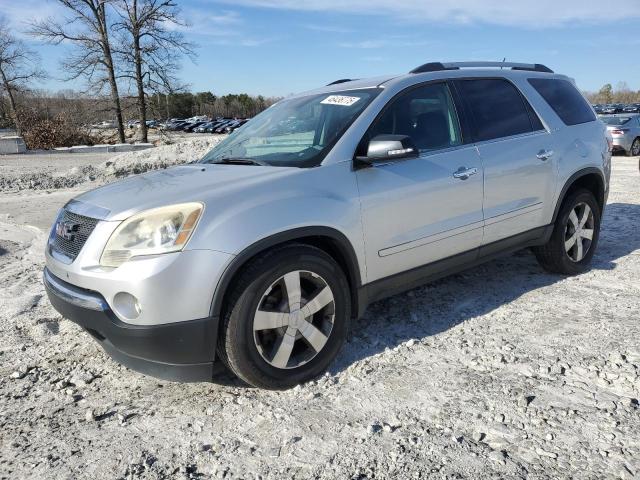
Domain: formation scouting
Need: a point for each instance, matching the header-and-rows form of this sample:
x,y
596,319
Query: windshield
x,y
615,120
296,132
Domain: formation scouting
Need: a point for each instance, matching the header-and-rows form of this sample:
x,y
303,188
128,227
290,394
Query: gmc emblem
x,y
67,230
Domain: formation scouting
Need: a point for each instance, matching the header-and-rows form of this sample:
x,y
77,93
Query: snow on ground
x,y
503,371
15,177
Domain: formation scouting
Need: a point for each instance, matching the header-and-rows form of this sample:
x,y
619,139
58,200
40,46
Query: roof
x,y
438,70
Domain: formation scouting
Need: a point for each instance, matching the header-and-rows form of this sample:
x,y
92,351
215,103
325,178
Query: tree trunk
x,y
166,97
137,59
115,98
13,110
108,60
142,101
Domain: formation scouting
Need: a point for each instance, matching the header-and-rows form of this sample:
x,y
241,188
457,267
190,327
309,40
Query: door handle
x,y
544,155
463,173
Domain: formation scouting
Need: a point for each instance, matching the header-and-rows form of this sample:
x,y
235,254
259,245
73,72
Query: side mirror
x,y
386,148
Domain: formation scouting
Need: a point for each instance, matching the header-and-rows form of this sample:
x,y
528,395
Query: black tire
x,y
634,150
237,342
553,256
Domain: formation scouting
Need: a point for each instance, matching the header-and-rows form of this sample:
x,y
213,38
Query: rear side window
x,y
497,107
564,98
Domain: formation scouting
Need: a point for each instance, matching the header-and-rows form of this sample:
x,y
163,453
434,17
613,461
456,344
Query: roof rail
x,y
342,80
437,66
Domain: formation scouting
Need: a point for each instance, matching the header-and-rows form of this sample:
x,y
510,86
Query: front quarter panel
x,y
324,196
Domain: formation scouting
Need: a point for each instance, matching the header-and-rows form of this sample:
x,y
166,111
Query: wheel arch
x,y
591,179
330,240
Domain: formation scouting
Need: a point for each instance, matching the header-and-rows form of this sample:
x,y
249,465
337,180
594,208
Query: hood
x,y
186,183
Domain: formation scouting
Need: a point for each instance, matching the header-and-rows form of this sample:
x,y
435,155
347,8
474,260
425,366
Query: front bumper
x,y
179,351
170,287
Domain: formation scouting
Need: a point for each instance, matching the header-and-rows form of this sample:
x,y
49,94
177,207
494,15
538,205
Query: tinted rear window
x,y
565,100
497,107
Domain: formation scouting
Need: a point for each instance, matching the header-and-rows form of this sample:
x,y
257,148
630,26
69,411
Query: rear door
x,y
517,153
419,210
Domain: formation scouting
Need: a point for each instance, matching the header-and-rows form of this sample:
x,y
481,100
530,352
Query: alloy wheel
x,y
579,232
294,319
635,147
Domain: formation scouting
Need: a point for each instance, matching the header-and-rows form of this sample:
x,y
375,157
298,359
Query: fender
x,y
580,173
340,240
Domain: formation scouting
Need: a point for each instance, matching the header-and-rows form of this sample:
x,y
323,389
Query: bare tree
x,y
18,67
87,28
150,47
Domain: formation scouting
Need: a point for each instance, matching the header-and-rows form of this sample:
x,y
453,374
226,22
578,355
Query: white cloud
x,y
386,41
327,28
225,28
20,13
529,13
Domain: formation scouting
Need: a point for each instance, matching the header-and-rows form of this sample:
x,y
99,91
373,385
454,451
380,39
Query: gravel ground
x,y
503,371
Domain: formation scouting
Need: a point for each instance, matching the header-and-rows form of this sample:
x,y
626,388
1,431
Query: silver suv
x,y
262,252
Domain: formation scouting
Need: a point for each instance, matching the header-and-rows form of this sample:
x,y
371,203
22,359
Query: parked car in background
x,y
190,126
611,109
625,130
217,123
105,124
202,128
235,125
229,127
262,254
174,126
221,128
212,126
633,108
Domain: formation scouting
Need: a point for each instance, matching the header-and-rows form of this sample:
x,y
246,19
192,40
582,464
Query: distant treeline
x,y
608,94
87,110
183,105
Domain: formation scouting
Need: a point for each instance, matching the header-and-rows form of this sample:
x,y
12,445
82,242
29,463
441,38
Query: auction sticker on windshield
x,y
343,100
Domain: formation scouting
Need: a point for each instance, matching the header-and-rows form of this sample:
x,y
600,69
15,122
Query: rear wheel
x,y
575,235
634,151
286,318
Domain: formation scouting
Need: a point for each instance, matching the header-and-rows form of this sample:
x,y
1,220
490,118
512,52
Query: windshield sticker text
x,y
343,100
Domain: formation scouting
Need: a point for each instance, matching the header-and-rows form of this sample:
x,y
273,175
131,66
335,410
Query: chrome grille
x,y
82,228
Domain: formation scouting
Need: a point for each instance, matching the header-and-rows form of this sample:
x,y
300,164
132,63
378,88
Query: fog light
x,y
126,305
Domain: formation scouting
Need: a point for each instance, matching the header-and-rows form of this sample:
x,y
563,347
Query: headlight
x,y
161,230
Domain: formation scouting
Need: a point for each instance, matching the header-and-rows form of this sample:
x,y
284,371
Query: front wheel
x,y
575,235
286,318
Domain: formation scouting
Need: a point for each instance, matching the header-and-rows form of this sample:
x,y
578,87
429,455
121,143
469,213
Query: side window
x,y
497,107
426,114
564,98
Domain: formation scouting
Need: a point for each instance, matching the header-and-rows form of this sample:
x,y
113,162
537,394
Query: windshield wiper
x,y
239,161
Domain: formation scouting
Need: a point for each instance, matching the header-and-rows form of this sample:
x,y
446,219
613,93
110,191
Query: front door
x,y
424,209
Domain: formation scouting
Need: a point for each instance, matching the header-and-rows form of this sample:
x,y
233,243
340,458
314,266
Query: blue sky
x,y
278,47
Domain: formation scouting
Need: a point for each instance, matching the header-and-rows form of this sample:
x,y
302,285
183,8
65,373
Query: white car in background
x,y
625,131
